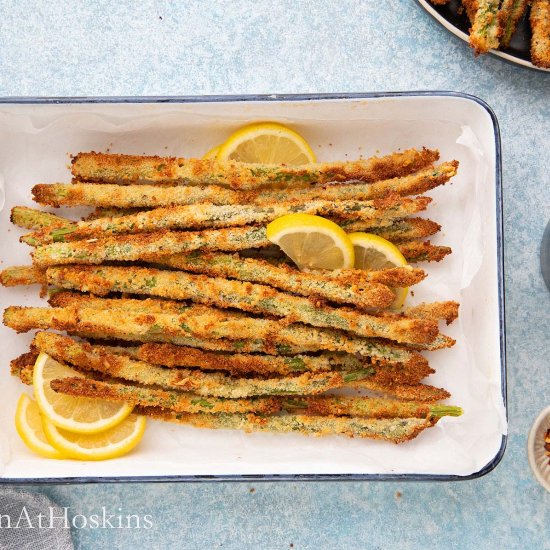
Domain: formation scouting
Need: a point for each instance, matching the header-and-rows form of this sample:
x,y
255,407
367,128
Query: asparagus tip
x,y
445,410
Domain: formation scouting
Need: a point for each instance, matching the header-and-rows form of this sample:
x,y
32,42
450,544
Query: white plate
x,y
36,140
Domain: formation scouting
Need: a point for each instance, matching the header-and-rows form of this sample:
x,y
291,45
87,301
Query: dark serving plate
x,y
454,19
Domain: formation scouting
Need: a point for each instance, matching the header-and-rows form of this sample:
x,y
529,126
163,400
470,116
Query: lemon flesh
x,y
111,443
374,252
312,242
267,143
77,414
28,424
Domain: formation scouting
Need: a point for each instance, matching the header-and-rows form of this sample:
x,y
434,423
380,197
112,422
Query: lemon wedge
x,y
267,143
111,443
312,241
374,252
212,153
77,414
29,427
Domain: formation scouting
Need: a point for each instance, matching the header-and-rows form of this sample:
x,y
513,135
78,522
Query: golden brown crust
x,y
423,251
171,400
20,365
447,311
170,355
119,200
22,275
471,7
486,30
254,298
415,392
511,11
540,26
124,169
380,429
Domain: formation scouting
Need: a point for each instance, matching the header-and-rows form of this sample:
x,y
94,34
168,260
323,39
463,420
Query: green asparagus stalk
x,y
22,275
340,405
203,216
178,401
343,287
486,29
149,246
250,297
423,251
395,430
30,218
85,357
150,326
153,196
127,169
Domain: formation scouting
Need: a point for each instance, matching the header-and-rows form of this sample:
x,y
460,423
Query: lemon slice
x,y
312,241
77,414
374,252
267,143
111,443
212,153
29,427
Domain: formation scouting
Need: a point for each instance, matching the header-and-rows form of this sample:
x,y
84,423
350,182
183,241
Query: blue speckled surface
x,y
123,48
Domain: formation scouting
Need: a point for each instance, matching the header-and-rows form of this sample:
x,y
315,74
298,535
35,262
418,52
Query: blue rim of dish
x,y
306,477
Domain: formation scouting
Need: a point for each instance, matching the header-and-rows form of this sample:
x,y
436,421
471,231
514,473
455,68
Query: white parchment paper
x,y
36,141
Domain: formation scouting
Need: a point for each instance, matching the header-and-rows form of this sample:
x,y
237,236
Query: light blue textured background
x,y
199,47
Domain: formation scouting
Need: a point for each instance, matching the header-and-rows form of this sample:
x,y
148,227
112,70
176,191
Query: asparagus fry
x,y
510,13
423,251
395,430
471,7
486,28
413,184
153,196
200,216
343,286
324,405
84,356
240,363
112,212
381,351
398,232
22,275
235,363
29,218
174,400
152,326
447,311
126,169
250,297
149,245
340,405
540,26
22,366
410,392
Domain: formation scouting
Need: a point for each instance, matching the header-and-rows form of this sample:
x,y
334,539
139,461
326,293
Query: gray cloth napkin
x,y
20,524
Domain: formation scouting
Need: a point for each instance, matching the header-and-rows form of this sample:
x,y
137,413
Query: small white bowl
x,y
539,462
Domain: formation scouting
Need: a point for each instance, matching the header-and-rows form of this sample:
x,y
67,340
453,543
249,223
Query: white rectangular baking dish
x,y
37,136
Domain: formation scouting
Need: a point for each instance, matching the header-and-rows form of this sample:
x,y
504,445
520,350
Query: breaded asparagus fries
x,y
494,22
175,300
